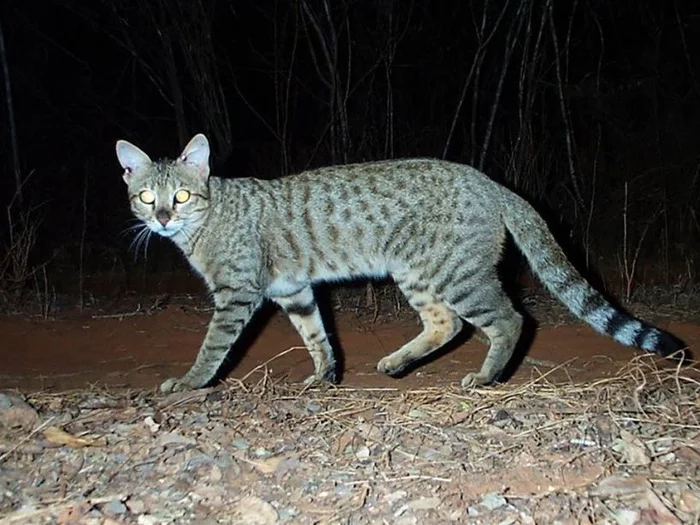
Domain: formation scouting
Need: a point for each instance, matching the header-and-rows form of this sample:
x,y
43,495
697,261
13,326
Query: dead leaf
x,y
15,412
342,441
269,465
689,502
58,436
657,512
689,454
620,486
73,514
632,449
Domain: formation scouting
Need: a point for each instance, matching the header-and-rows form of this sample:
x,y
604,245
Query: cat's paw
x,y
473,380
175,384
325,379
390,366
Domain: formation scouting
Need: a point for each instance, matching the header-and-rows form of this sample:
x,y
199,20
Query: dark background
x,y
589,108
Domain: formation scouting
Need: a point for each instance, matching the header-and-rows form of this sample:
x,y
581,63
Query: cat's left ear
x,y
196,155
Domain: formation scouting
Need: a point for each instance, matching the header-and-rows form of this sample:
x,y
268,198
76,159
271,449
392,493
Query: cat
x,y
436,228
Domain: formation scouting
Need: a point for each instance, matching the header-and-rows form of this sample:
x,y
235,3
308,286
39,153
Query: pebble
x,y
240,444
493,501
395,496
174,439
252,510
136,506
313,407
362,453
114,508
262,452
424,503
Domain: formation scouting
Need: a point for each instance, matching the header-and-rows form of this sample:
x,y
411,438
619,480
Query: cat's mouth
x,y
167,230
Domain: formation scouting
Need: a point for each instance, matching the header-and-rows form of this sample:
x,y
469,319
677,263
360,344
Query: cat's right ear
x,y
131,158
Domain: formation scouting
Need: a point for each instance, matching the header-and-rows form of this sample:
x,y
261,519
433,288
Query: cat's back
x,y
396,174
415,179
363,205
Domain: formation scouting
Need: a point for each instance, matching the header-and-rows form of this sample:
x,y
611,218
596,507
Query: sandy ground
x,y
138,349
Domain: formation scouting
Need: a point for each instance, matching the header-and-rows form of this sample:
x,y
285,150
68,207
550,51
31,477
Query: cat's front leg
x,y
306,318
234,308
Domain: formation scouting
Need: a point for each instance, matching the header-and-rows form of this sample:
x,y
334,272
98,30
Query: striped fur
x,y
436,228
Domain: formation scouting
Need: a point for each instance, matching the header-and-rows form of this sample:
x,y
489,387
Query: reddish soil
x,y
139,351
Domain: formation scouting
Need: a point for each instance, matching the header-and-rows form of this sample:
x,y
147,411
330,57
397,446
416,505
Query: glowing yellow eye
x,y
182,196
147,197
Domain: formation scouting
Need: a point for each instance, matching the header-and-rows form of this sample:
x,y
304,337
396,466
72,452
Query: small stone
x,y
173,439
240,444
287,513
362,453
114,508
215,474
493,501
669,457
417,413
626,516
5,401
313,407
262,452
424,503
252,510
395,496
135,506
153,427
15,412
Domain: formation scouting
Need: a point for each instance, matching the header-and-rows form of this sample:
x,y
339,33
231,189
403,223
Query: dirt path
x,y
139,351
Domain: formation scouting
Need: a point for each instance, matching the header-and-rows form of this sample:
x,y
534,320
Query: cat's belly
x,y
291,280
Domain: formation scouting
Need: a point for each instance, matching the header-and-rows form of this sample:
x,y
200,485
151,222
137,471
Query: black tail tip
x,y
671,347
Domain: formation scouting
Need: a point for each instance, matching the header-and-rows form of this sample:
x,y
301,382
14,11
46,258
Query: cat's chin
x,y
165,232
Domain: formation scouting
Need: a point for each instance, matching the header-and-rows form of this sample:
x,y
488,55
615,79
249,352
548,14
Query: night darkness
x,y
589,109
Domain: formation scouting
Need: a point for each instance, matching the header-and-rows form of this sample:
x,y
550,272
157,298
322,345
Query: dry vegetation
x,y
620,450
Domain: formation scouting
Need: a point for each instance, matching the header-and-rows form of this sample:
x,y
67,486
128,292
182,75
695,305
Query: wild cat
x,y
437,228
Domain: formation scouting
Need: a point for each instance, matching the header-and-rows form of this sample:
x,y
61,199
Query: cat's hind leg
x,y
440,324
303,312
487,307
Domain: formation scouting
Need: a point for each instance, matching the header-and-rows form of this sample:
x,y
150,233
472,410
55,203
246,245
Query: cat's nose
x,y
163,217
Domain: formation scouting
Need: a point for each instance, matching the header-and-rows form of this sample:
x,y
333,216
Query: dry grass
x,y
619,450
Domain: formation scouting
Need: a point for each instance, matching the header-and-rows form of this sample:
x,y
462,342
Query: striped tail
x,y
551,265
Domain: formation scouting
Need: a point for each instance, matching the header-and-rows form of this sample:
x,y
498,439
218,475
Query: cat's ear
x,y
196,155
131,158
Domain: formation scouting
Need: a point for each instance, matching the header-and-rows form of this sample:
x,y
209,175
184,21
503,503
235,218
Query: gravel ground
x,y
622,450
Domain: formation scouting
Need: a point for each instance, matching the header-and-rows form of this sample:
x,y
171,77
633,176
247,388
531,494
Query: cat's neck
x,y
189,237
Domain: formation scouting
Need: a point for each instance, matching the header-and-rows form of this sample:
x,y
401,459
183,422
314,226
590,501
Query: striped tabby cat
x,y
435,227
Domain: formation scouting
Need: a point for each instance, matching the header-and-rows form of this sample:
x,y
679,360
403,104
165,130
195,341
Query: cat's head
x,y
169,196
